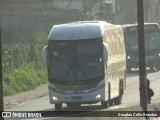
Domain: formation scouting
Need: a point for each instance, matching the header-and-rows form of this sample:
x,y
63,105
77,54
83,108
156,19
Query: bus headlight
x,y
98,96
159,54
55,98
128,57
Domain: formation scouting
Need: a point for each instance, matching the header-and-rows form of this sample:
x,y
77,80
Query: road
x,y
130,97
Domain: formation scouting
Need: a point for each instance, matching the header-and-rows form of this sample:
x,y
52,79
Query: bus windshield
x,y
152,41
75,60
132,42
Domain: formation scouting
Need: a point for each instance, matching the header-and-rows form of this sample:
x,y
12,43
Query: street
x,y
130,97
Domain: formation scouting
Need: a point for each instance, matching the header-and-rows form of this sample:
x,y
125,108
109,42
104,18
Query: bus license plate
x,y
76,97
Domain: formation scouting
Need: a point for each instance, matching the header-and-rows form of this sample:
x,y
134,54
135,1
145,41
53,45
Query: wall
x,y
23,20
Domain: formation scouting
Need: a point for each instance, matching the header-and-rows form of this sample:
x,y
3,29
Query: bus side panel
x,y
117,59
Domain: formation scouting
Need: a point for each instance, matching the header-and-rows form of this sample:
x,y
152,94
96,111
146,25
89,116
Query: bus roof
x,y
131,25
79,30
132,28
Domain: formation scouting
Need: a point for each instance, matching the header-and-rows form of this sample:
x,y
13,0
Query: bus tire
x,y
58,106
111,103
104,104
118,100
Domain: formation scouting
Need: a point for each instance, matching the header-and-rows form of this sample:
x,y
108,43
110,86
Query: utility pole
x,y
142,63
1,81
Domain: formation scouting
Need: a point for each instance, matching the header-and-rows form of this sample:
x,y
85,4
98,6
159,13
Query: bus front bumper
x,y
149,62
82,98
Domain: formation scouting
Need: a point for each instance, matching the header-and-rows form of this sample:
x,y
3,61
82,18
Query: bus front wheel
x,y
58,106
105,104
118,100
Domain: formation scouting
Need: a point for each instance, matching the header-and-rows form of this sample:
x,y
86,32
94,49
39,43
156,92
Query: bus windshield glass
x,y
132,42
75,60
152,41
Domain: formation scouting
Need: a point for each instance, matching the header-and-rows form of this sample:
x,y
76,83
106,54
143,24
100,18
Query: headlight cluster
x,y
98,96
55,98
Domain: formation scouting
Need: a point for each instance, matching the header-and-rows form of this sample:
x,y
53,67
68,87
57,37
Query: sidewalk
x,y
10,101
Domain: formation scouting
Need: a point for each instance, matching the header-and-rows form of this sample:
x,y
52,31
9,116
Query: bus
x,y
86,63
152,45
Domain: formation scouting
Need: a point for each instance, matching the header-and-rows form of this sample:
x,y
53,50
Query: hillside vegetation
x,y
22,67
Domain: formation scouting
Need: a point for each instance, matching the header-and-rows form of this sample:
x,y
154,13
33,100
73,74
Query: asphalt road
x,y
130,97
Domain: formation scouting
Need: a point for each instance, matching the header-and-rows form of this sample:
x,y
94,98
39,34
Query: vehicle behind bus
x,y
152,45
83,65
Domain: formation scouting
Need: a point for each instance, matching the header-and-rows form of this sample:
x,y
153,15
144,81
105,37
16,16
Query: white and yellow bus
x,y
86,62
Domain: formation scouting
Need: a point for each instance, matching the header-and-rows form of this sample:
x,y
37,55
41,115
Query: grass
x,y
22,67
23,78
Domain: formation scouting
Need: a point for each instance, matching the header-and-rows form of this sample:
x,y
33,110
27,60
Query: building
x,y
23,20
125,11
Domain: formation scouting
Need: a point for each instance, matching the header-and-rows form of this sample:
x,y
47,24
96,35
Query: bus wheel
x,y
118,100
104,104
58,106
111,103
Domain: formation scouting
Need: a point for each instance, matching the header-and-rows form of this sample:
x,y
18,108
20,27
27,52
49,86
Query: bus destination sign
x,y
146,28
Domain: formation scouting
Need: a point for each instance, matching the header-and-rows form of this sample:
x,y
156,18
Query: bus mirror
x,y
105,52
44,55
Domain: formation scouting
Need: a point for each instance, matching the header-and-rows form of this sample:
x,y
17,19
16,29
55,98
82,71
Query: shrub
x,y
22,68
23,79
